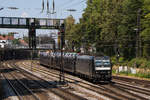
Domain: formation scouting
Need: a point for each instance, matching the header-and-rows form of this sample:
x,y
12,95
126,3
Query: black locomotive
x,y
91,67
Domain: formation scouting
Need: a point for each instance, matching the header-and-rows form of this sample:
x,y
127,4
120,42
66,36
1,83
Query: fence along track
x,y
58,90
95,88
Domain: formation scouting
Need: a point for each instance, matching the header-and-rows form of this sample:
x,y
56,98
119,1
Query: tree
x,y
26,39
128,26
145,34
15,42
110,26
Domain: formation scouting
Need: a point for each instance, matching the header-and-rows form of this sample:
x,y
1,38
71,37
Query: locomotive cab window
x,y
98,63
102,64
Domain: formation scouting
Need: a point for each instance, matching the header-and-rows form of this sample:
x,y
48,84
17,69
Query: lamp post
x,y
71,10
62,33
138,38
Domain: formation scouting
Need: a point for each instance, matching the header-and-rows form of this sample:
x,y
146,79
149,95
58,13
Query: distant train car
x,y
69,60
95,68
44,58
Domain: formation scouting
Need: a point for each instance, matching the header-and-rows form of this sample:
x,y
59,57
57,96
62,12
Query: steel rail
x,y
94,88
132,88
59,90
11,85
24,86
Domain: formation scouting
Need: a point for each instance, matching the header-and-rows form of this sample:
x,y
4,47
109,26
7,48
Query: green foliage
x,y
140,75
139,63
114,60
16,41
11,33
143,75
146,29
26,39
121,60
148,64
110,25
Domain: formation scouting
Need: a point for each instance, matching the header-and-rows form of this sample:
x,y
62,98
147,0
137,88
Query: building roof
x,y
23,42
6,37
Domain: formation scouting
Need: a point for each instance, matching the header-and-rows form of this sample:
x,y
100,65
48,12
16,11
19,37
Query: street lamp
x,y
71,10
138,29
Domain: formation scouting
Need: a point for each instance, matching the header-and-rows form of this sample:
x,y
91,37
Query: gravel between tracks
x,y
57,90
124,94
82,87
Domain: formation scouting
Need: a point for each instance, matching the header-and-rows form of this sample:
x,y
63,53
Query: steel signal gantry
x,y
31,24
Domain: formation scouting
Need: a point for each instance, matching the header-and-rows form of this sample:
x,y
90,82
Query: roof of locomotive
x,y
85,57
102,58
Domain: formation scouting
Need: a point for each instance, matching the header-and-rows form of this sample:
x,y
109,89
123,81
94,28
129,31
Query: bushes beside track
x,y
139,63
137,67
136,62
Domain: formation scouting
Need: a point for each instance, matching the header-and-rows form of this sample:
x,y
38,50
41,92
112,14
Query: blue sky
x,y
32,8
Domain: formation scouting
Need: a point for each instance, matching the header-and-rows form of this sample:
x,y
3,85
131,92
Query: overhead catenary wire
x,y
42,6
66,3
75,4
48,10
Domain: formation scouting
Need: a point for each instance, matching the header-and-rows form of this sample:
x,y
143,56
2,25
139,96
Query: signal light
x,y
62,31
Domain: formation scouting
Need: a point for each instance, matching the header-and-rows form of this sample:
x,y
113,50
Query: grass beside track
x,y
134,76
143,74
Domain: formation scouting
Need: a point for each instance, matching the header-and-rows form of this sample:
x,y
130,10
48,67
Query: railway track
x,y
18,87
13,88
124,91
144,83
66,95
82,85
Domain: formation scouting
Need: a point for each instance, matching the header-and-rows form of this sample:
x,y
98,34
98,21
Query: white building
x,y
6,41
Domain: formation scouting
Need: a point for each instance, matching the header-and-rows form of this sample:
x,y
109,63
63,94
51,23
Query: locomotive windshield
x,y
102,64
98,63
106,62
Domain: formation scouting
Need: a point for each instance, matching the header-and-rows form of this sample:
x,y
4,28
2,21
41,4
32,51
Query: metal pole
x,y
137,44
62,77
31,58
0,57
138,38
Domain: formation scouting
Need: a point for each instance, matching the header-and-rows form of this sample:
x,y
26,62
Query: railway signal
x,y
32,36
62,34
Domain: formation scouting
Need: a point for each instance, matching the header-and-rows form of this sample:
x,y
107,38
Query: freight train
x,y
91,67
